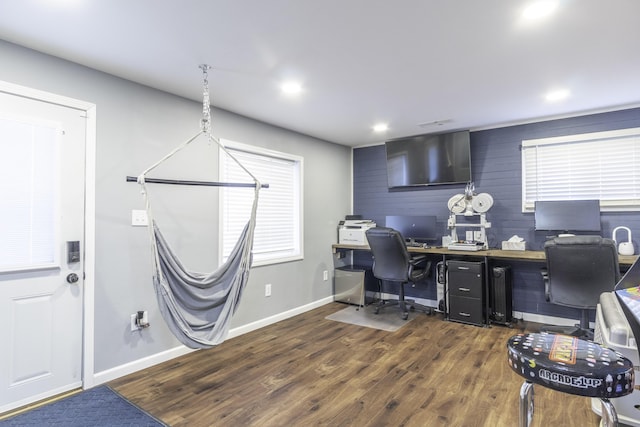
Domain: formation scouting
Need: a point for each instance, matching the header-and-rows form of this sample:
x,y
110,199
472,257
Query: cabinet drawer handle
x,y
464,314
462,268
464,289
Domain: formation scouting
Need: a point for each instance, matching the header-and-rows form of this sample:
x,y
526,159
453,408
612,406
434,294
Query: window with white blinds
x,y
29,196
602,165
278,234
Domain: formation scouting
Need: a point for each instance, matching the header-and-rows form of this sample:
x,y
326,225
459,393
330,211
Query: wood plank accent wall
x,y
496,169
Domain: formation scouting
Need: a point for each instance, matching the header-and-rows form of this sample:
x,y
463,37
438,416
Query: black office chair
x,y
392,263
579,269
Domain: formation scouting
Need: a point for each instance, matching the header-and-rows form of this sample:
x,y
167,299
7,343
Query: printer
x,y
352,231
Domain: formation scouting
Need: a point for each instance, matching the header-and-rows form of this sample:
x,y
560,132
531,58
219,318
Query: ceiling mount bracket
x,y
205,123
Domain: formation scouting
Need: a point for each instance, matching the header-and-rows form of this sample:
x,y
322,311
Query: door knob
x,y
72,278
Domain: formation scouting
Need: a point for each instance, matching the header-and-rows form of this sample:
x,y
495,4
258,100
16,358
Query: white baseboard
x,y
137,365
147,362
547,320
240,330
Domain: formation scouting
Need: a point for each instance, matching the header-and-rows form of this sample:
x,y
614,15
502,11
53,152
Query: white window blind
x,y
29,163
278,235
602,165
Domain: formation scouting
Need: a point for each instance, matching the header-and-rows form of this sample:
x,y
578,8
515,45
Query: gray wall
x,y
137,125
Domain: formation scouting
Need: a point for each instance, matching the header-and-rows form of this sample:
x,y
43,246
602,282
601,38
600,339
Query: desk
x,y
490,254
535,256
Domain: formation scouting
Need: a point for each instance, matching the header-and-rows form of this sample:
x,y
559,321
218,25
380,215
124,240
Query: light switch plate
x,y
139,218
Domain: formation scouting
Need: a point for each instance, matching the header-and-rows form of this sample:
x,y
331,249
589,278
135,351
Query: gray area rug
x,y
99,406
387,320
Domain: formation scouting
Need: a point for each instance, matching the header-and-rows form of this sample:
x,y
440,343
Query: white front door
x,y
42,173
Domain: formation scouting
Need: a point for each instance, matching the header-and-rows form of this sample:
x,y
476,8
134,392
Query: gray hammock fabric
x,y
198,307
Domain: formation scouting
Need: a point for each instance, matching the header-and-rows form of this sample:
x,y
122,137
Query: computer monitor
x,y
567,215
414,229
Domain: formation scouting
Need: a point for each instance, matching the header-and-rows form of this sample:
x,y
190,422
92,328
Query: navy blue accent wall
x,y
496,169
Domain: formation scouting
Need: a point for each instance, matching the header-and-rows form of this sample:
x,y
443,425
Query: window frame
x,y
296,251
600,148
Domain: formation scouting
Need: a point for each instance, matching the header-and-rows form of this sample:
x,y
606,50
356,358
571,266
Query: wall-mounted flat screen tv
x,y
431,159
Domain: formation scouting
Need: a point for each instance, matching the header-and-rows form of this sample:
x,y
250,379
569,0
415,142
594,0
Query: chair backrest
x,y
580,268
390,255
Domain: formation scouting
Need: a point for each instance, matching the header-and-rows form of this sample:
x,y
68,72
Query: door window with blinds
x,y
602,165
29,162
278,233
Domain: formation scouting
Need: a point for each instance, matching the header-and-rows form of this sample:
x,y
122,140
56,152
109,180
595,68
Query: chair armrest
x,y
417,259
420,261
419,266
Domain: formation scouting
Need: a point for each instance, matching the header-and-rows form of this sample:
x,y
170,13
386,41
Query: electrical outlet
x,y
139,218
325,275
267,290
134,324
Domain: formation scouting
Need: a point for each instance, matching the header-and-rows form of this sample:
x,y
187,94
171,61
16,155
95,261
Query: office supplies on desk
x,y
352,231
467,246
411,244
624,248
515,243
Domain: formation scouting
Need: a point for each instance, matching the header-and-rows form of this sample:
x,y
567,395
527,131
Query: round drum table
x,y
570,365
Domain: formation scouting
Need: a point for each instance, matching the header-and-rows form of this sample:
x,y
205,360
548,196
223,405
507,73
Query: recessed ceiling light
x,y
381,127
539,9
557,95
291,88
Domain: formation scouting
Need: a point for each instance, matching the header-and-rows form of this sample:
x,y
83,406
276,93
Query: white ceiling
x,y
469,63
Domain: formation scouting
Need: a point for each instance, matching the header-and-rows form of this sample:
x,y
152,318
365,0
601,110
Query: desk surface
x,y
490,253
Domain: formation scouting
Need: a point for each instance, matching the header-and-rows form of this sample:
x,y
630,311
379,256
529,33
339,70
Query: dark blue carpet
x,y
99,406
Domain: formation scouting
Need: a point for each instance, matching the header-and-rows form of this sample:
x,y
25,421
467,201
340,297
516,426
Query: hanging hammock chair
x,y
198,307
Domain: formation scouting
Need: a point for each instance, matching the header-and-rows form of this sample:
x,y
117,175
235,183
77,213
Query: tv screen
x,y
429,159
414,228
567,215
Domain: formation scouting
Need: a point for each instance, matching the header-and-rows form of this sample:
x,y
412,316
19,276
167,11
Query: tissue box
x,y
513,246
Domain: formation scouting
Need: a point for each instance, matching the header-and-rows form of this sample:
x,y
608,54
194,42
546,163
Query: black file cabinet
x,y
466,287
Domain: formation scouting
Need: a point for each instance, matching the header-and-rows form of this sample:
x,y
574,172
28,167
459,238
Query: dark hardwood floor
x,y
308,371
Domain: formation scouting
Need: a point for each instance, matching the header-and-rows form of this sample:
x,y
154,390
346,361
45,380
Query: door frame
x,y
89,109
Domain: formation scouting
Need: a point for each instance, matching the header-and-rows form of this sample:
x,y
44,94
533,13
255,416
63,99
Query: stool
x,y
570,365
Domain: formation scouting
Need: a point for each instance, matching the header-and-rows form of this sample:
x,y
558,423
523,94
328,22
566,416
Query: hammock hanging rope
x,y
198,307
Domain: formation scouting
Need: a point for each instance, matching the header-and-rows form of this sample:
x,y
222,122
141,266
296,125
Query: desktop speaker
x,y
442,273
441,281
501,295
